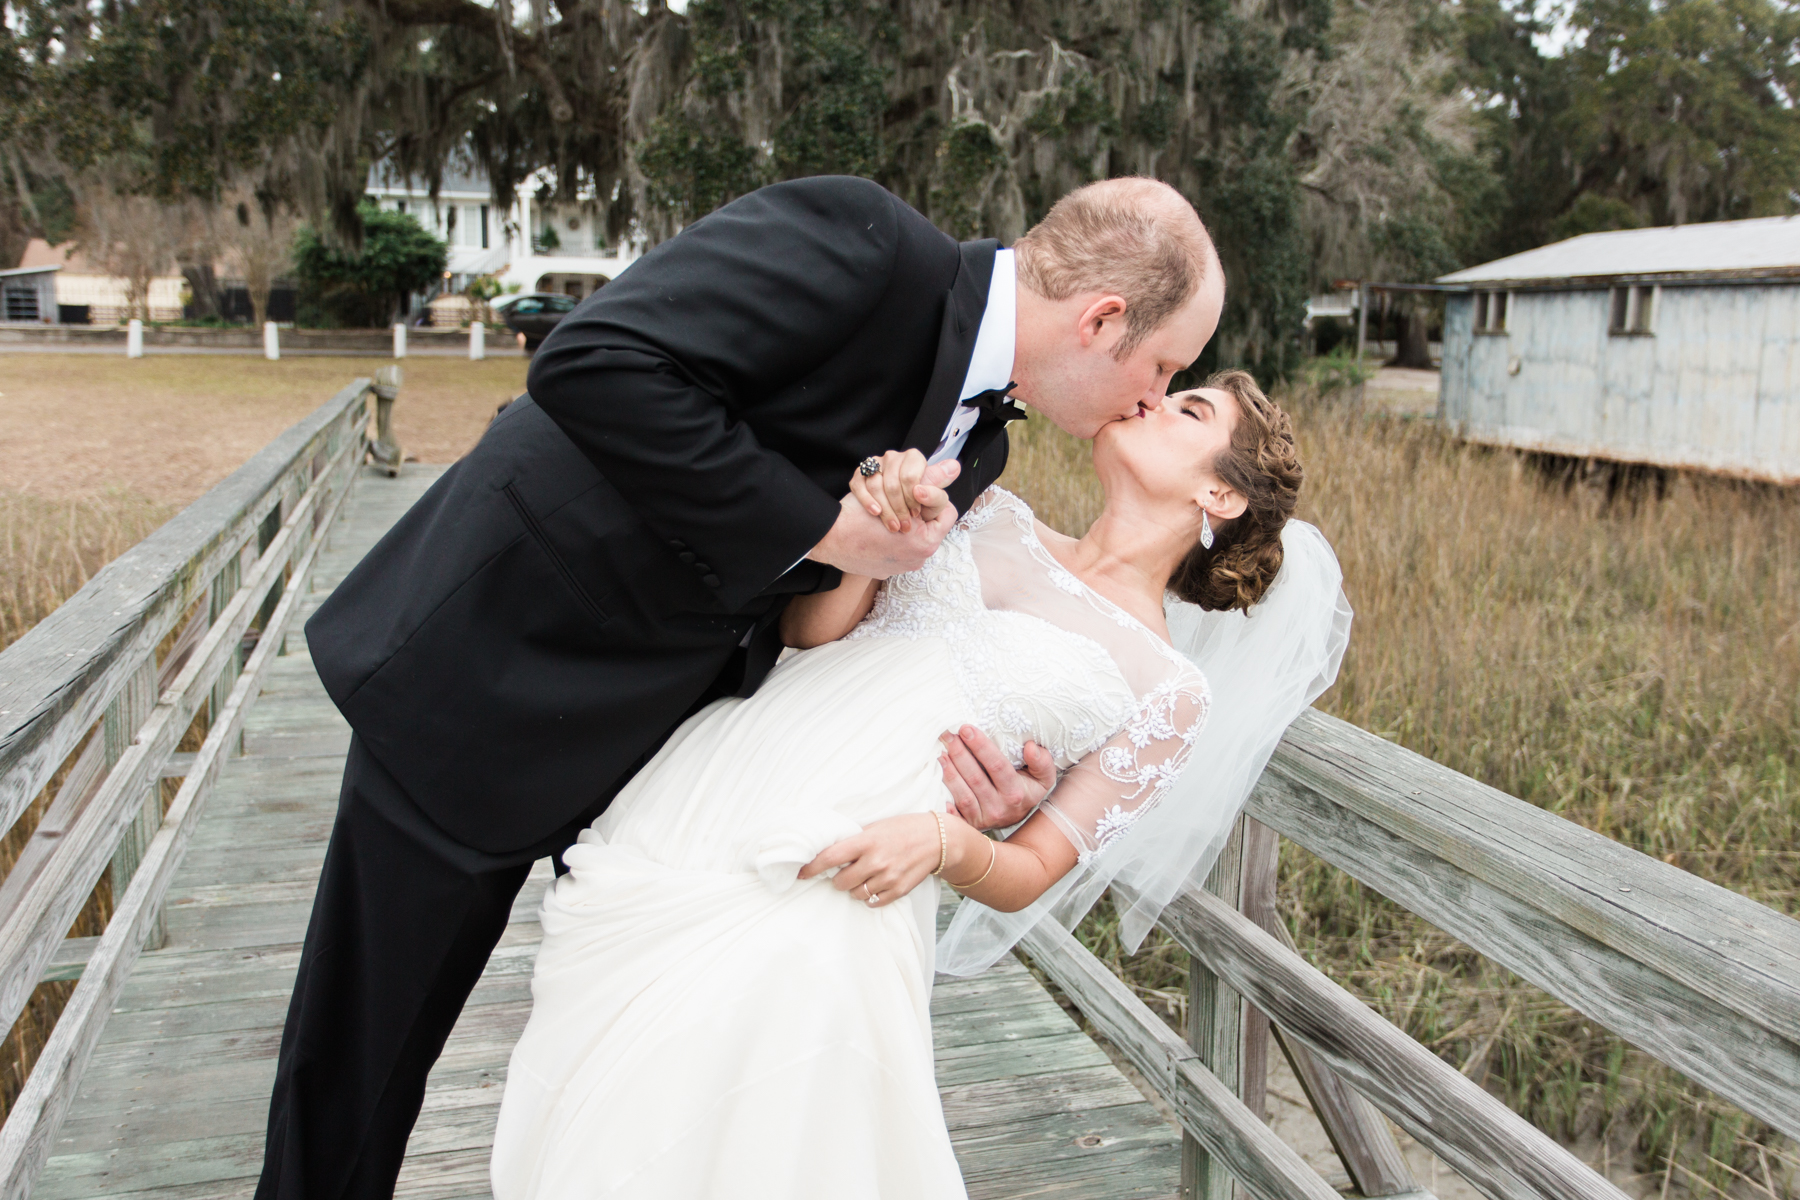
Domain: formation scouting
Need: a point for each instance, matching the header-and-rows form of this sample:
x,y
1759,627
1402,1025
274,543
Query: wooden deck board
x,y
173,1103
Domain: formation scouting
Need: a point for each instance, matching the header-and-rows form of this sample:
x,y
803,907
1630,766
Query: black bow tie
x,y
998,404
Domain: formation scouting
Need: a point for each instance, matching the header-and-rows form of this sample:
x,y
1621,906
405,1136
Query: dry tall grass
x,y
48,550
1634,667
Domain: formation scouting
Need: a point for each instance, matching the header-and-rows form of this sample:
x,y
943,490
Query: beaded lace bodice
x,y
1042,657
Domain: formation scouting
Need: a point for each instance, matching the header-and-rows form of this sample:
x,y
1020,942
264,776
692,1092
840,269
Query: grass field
x,y
1635,668
169,426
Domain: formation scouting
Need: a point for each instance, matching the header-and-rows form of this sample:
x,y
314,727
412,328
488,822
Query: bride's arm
x,y
813,620
894,855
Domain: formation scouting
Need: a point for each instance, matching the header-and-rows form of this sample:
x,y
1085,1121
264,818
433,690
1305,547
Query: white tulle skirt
x,y
703,1025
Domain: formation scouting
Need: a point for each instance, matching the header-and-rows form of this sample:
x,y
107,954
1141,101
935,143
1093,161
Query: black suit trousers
x,y
402,925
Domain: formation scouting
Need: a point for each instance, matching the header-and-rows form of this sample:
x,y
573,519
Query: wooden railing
x,y
108,686
1697,976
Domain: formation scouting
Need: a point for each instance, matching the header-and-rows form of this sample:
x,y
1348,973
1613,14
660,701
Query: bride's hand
x,y
884,862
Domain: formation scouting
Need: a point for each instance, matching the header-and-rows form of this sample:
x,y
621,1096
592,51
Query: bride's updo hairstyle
x,y
1262,465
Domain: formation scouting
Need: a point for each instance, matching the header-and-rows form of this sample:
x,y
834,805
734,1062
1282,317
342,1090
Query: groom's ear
x,y
1106,310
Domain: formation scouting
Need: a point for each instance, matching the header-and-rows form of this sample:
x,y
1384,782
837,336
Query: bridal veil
x,y
1264,668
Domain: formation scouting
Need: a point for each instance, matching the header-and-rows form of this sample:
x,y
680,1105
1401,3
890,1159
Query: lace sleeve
x,y
1100,797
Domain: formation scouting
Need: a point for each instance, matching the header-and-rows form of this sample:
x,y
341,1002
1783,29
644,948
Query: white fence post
x,y
399,339
134,338
271,341
477,341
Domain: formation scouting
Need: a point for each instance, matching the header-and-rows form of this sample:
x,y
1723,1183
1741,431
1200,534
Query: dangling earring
x,y
1206,536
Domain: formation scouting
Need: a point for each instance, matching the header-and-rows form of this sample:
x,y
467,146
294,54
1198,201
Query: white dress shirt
x,y
991,364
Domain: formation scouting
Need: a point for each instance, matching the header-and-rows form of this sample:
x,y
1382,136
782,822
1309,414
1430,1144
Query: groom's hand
x,y
859,543
985,788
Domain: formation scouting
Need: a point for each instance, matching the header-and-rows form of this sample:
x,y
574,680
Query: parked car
x,y
535,314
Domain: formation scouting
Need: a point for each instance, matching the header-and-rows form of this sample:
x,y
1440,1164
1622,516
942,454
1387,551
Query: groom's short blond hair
x,y
1135,236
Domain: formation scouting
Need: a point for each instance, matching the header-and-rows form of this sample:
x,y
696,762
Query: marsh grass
x,y
1631,664
48,550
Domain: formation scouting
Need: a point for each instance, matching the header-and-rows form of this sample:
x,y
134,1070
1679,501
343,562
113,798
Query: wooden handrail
x,y
1696,975
31,1125
240,554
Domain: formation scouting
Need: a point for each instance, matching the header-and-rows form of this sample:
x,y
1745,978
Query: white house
x,y
539,248
1677,347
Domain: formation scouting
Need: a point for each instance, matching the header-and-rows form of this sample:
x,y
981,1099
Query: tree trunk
x,y
1412,350
205,286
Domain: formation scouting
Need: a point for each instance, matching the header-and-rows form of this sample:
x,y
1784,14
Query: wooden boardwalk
x,y
173,1101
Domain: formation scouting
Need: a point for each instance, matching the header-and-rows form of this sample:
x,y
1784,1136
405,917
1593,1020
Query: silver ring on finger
x,y
869,466
874,898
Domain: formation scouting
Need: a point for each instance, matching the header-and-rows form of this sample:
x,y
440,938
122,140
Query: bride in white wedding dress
x,y
732,994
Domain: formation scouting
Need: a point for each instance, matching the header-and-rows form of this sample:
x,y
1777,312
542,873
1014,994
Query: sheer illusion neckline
x,y
1034,541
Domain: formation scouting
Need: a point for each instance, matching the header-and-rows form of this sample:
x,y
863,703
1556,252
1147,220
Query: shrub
x,y
339,288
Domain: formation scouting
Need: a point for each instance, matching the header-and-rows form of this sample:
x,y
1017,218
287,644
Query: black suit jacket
x,y
622,540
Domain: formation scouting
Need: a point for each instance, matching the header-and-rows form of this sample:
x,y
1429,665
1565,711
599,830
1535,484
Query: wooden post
x,y
1362,333
1216,1032
399,339
224,587
124,717
385,450
477,341
134,338
271,341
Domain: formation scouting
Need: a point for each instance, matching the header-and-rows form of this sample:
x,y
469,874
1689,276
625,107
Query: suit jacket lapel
x,y
963,306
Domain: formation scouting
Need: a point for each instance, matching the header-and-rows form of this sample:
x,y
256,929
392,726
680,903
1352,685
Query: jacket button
x,y
687,556
711,581
702,568
677,544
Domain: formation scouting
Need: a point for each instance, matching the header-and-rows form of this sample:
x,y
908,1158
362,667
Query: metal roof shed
x,y
1678,347
28,294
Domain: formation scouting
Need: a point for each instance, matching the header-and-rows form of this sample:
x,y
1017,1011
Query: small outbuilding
x,y
28,294
1675,347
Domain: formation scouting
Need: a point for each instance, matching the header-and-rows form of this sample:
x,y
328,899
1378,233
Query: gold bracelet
x,y
993,857
943,845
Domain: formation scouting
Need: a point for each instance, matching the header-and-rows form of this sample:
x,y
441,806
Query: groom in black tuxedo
x,y
617,550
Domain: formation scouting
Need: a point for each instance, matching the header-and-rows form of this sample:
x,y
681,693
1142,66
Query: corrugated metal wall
x,y
1716,385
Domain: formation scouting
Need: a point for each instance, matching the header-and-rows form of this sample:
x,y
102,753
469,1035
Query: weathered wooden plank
x,y
26,1138
998,1101
1741,955
1491,1146
1040,1056
1708,1041
57,679
1232,1135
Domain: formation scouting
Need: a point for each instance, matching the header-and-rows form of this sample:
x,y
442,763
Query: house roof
x,y
39,253
1762,247
459,178
16,272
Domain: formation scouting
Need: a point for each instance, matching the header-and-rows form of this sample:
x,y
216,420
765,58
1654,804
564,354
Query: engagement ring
x,y
869,466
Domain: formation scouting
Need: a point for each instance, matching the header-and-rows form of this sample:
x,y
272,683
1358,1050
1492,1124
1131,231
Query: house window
x,y
1490,312
484,227
1633,310
399,206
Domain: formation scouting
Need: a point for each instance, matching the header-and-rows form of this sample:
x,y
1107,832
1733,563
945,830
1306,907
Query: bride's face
x,y
1167,449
